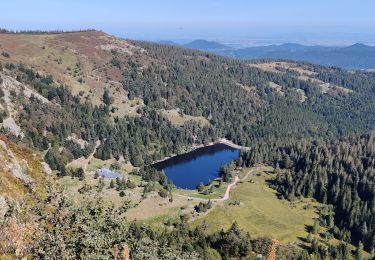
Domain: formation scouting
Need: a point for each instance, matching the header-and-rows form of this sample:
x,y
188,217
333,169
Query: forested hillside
x,y
339,173
242,101
63,94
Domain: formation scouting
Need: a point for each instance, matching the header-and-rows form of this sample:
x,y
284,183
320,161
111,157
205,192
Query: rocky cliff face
x,y
23,175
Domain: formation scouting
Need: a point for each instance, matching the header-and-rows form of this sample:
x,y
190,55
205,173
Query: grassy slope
x,y
86,56
217,193
261,212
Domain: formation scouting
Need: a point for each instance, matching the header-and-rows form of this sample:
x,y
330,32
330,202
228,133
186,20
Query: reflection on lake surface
x,y
201,165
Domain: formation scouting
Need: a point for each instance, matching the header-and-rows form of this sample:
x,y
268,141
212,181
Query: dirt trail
x,y
227,191
230,186
86,161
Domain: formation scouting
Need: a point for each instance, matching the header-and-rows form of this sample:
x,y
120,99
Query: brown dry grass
x,y
61,55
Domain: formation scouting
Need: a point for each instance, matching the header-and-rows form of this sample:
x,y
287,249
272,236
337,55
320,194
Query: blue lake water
x,y
187,170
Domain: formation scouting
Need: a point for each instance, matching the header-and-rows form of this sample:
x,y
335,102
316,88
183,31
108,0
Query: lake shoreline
x,y
195,147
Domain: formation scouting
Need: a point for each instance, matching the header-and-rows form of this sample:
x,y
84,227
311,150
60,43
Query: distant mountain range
x,y
206,45
357,56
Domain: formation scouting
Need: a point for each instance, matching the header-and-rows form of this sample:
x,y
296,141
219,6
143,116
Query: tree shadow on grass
x,y
308,228
273,185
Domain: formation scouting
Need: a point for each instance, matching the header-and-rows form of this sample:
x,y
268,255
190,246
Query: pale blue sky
x,y
177,19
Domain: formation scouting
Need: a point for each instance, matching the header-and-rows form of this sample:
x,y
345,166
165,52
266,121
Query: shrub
x,y
5,54
163,193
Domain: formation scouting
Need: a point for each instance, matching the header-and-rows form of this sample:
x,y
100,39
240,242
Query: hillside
x,y
65,91
25,180
86,100
24,175
128,78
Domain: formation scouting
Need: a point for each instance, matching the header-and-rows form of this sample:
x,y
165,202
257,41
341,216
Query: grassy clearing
x,y
261,213
96,164
179,119
73,185
217,193
157,211
171,215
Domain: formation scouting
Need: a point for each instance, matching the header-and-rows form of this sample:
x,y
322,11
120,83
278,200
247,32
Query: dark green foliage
x,y
106,98
208,85
116,63
111,184
131,137
10,66
199,84
340,173
225,172
115,166
75,149
79,173
203,206
121,184
262,245
150,174
2,116
93,229
231,243
57,160
163,193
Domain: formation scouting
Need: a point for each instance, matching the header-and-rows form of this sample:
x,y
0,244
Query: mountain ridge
x,y
205,45
355,56
124,104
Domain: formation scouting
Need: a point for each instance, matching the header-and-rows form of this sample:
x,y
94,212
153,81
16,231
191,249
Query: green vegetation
x,y
188,80
337,172
203,206
261,212
213,190
75,227
306,141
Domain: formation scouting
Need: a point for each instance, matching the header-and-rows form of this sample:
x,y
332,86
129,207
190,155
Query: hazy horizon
x,y
248,23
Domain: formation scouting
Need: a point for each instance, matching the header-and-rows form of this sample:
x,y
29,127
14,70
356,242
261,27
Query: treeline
x,y
339,172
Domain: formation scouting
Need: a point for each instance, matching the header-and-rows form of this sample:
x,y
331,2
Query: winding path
x,y
227,191
86,161
230,186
